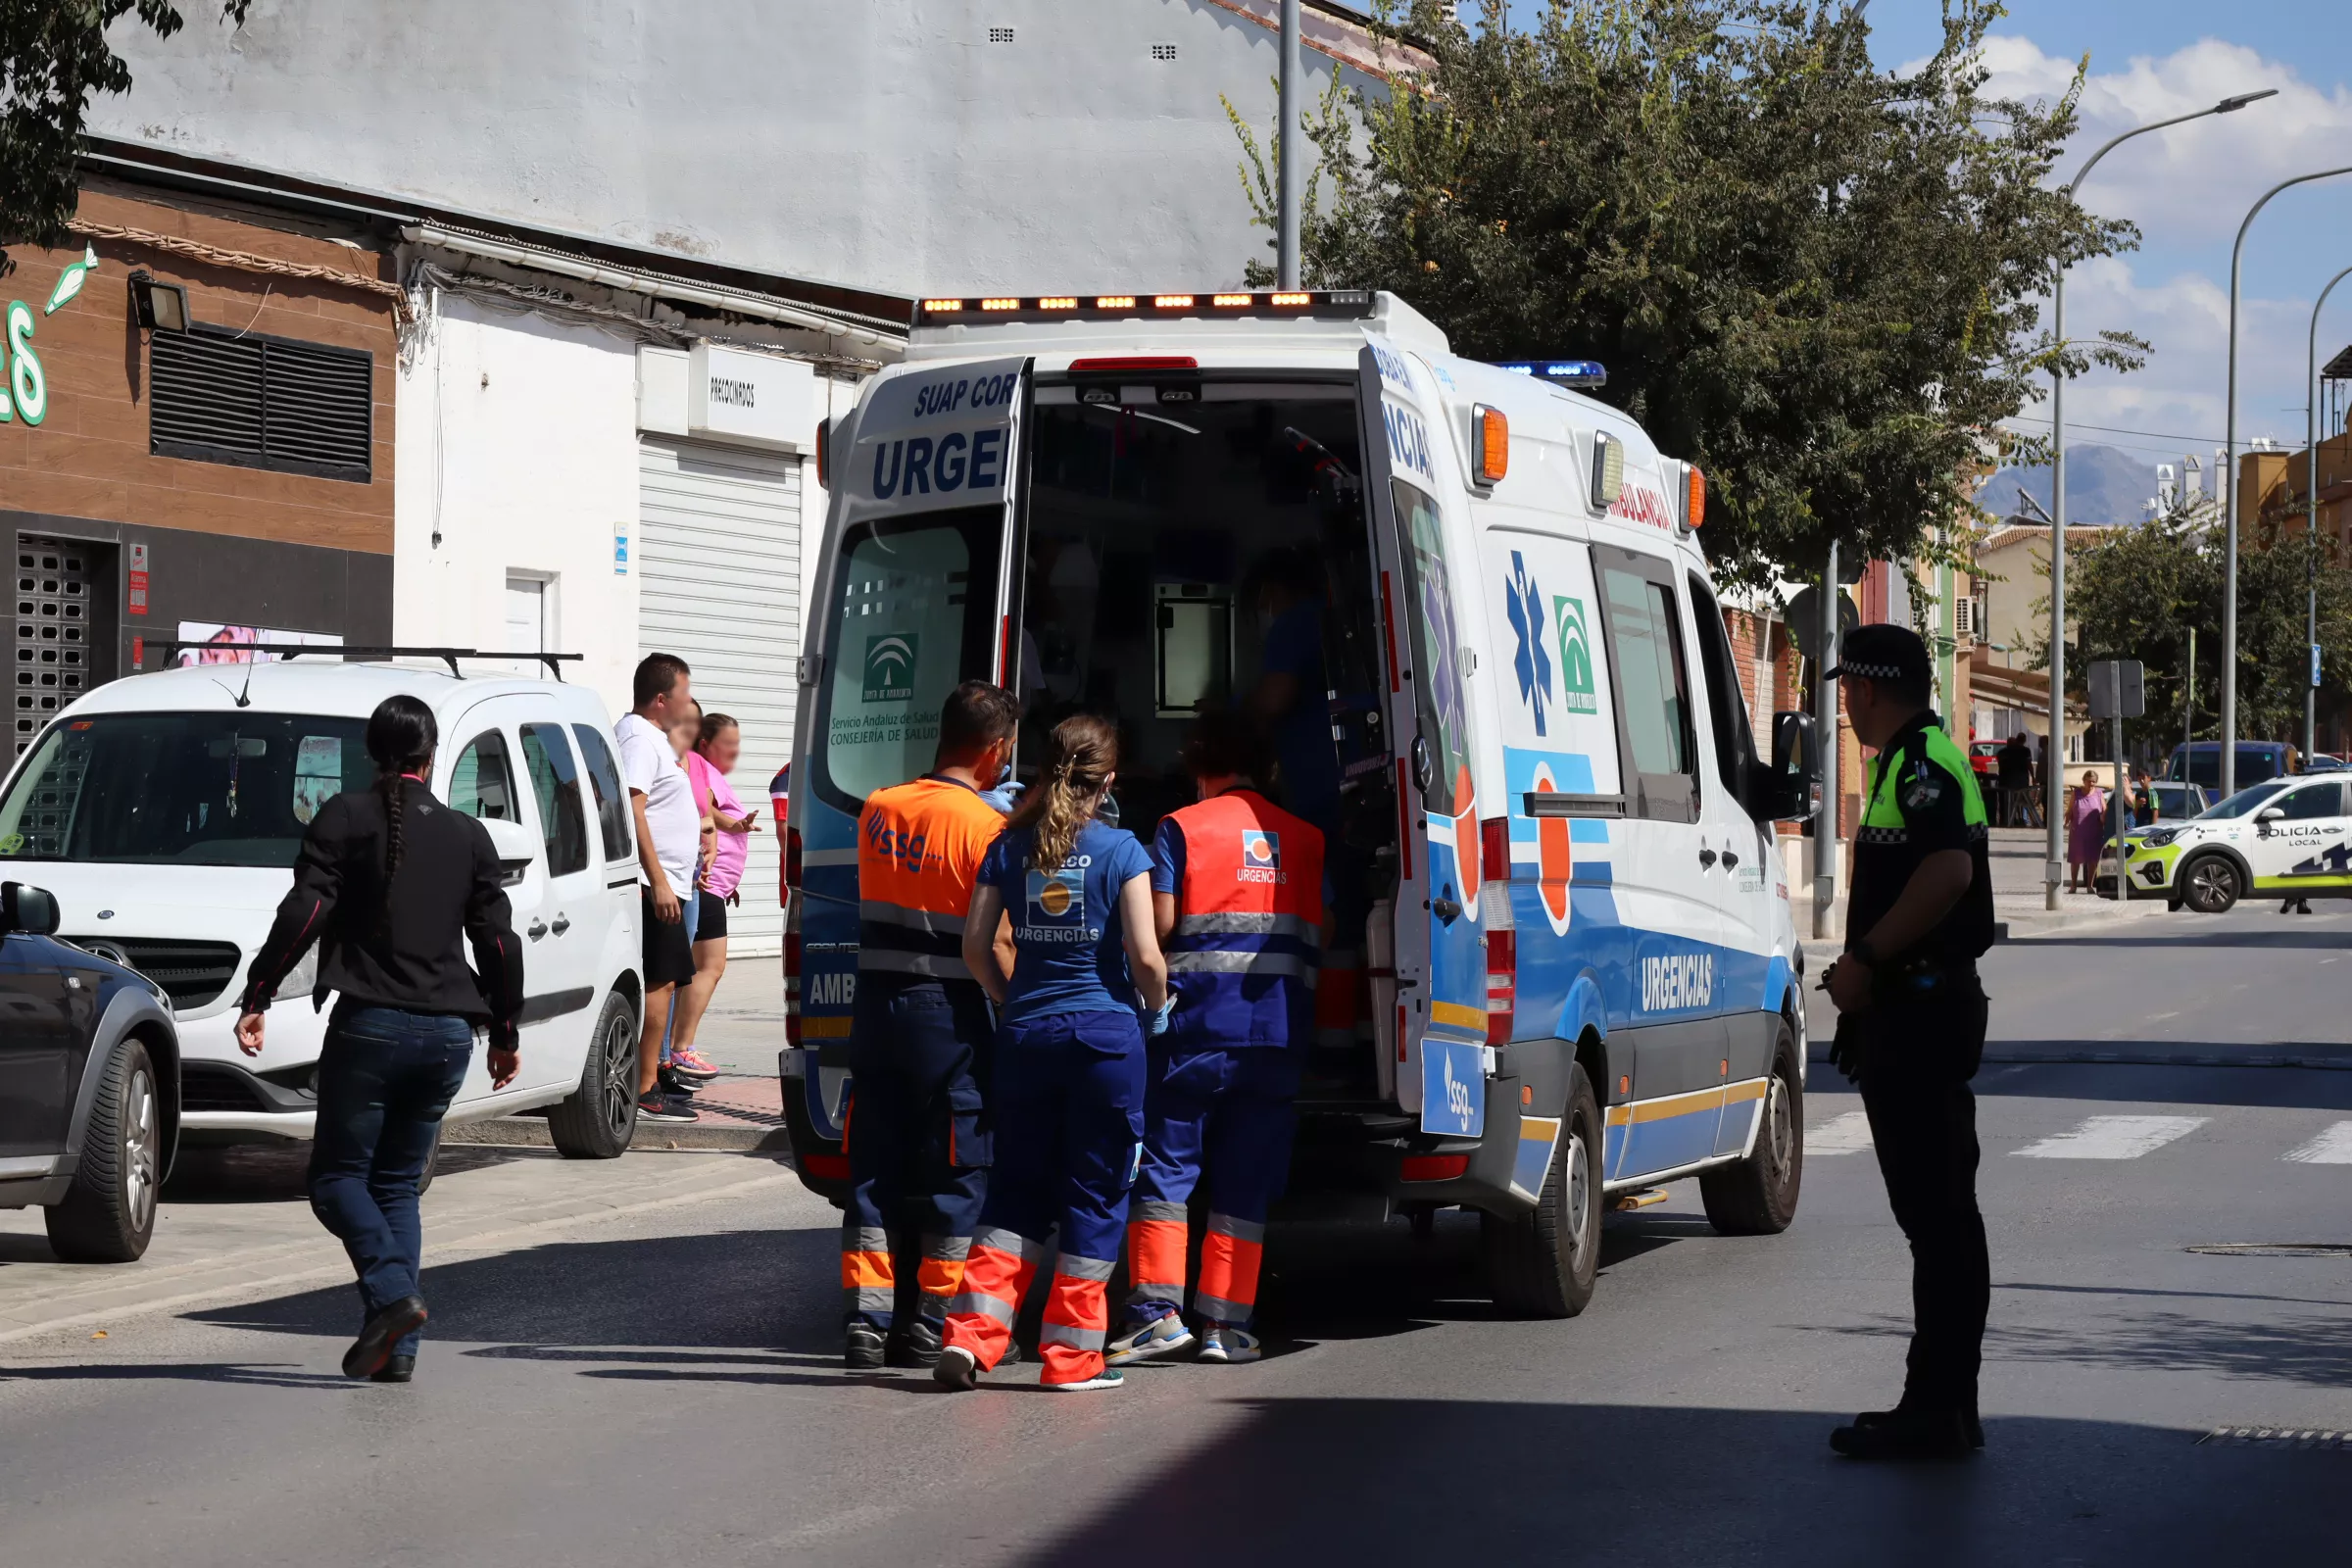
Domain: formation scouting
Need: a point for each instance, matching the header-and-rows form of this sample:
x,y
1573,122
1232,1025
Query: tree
x,y
53,56
1817,280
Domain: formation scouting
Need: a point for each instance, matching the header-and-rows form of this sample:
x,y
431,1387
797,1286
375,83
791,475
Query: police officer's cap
x,y
1880,652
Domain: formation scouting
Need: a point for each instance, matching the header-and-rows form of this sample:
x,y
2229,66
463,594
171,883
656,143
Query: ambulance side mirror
x,y
1787,789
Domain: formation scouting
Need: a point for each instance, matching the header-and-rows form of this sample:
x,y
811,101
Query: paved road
x,y
617,1383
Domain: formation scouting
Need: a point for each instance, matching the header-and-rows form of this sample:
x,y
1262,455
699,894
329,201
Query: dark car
x,y
90,1086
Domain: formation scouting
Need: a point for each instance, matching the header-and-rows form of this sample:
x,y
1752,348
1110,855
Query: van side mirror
x,y
1789,787
32,910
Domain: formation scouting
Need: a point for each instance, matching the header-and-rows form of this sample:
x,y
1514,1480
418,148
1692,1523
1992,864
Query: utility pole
x,y
2311,516
1825,709
1289,161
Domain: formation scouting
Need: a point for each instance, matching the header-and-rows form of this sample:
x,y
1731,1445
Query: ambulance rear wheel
x,y
1758,1195
1543,1264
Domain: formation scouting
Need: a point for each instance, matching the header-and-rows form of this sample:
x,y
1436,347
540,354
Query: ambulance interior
x,y
1201,544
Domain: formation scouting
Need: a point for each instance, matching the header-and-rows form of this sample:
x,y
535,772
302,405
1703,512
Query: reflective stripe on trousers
x,y
1287,964
869,1276
1156,1242
996,1276
1077,1320
1230,1255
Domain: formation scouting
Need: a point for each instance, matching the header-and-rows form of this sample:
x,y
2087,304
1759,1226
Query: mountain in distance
x,y
2103,484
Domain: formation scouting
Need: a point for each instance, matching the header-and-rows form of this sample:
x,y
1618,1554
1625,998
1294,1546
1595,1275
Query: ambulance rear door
x,y
916,599
1437,1027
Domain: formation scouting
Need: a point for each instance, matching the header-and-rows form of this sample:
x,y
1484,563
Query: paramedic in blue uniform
x,y
1911,1031
1069,1100
1238,899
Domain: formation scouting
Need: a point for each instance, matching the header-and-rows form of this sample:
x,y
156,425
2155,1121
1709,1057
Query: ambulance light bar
x,y
1561,373
1343,303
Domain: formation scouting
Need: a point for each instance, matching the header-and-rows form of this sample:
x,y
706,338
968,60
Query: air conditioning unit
x,y
1964,618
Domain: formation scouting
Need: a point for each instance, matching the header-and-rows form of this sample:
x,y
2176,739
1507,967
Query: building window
x,y
260,403
999,35
1164,51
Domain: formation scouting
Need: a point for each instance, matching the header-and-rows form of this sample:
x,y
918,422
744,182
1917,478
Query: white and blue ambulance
x,y
1470,603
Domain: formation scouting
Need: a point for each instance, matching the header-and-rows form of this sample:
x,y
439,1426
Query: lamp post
x,y
2053,783
2311,522
2229,737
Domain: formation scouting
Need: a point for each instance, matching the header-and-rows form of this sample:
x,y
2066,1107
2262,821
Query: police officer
x,y
915,1130
1911,1029
1238,896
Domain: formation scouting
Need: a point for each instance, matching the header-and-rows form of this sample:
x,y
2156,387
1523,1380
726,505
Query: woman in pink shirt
x,y
708,765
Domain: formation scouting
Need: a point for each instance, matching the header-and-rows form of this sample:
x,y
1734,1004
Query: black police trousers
x,y
1919,1055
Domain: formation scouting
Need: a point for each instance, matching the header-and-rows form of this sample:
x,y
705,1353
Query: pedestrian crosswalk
x,y
2110,1137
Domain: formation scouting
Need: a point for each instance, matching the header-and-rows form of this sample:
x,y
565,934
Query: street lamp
x,y
2053,780
2230,471
2311,498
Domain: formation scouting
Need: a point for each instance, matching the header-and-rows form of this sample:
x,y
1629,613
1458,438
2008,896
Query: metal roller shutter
x,y
719,562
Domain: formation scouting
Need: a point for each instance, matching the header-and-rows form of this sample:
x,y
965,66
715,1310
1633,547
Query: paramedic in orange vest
x,y
1237,895
922,1038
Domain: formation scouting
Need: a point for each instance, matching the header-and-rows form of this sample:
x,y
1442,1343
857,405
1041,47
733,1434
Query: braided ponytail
x,y
401,737
1081,755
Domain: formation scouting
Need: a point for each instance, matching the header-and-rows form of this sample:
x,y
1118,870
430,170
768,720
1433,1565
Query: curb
x,y
530,1132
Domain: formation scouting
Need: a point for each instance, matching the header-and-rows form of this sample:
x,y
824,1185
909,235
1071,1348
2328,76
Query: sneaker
x,y
693,1066
669,1081
917,1344
1969,1422
955,1370
1109,1378
1162,1336
1904,1436
1224,1343
863,1348
658,1107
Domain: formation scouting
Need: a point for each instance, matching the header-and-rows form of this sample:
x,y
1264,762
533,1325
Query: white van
x,y
1567,964
163,812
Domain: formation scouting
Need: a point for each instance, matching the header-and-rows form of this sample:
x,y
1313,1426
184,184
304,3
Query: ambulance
x,y
1566,969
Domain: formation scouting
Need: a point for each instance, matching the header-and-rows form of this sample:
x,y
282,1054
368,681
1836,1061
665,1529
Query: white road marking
x,y
2332,1148
1849,1134
2114,1138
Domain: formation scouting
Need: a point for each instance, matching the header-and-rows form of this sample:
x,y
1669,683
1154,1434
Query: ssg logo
x,y
1532,664
1457,1092
1261,857
890,668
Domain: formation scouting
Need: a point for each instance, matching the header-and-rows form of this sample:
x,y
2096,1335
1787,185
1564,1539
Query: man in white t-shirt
x,y
668,837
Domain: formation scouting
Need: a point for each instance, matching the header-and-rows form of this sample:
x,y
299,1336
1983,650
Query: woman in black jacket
x,y
391,883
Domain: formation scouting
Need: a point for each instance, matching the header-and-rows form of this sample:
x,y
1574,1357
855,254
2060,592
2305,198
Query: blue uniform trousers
x,y
1226,1114
917,1139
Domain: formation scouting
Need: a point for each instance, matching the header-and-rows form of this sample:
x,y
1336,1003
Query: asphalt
x,y
647,1374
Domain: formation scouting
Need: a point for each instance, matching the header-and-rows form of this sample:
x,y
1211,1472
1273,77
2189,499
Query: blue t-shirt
x,y
1069,952
1311,768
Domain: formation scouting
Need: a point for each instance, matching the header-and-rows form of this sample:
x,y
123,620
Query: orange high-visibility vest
x,y
919,848
1243,954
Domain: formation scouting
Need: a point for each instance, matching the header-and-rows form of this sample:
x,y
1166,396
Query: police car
x,y
1567,964
2285,837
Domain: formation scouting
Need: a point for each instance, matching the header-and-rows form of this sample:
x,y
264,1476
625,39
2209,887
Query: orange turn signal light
x,y
1493,444
1695,501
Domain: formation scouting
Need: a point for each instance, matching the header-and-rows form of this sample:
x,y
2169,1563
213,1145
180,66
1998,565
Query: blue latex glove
x,y
1159,1020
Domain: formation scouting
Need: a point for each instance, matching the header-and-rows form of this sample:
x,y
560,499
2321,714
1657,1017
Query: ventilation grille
x,y
999,35
210,1086
53,636
262,403
192,972
1164,51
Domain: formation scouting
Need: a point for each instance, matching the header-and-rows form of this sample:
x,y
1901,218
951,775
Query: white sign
x,y
753,399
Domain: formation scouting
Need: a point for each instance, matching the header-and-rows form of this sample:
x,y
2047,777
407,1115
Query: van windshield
x,y
2243,802
2256,764
181,789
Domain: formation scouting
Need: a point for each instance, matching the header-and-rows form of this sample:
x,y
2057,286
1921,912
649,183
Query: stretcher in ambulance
x,y
1469,607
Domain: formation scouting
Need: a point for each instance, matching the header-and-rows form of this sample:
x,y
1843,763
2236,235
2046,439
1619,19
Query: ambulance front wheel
x,y
1543,1263
1758,1195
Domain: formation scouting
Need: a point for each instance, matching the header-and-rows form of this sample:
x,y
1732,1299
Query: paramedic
x,y
921,1034
1913,1031
1069,1092
1238,899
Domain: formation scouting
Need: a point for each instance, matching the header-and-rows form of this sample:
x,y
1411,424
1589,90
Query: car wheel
x,y
597,1120
1544,1264
107,1216
1758,1195
2210,884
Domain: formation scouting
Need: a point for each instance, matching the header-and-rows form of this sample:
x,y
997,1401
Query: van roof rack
x,y
172,647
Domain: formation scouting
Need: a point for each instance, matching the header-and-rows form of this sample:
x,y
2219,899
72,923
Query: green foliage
x,y
2136,593
53,56
1817,280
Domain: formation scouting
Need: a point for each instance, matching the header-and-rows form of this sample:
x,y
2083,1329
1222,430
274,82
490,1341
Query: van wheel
x,y
1544,1264
597,1119
2210,884
107,1216
1758,1195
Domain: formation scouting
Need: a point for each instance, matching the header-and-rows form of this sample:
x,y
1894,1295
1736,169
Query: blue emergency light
x,y
1561,373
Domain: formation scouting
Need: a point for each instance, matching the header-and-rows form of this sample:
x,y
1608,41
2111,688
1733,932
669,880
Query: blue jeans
x,y
690,912
385,1079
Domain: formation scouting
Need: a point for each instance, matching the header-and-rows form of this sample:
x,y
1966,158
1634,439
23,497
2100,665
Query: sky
x,y
2188,189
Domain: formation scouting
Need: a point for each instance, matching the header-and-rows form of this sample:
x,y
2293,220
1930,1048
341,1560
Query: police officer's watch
x,y
1860,953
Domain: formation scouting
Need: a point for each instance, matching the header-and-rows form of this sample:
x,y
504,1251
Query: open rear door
x,y
1438,1018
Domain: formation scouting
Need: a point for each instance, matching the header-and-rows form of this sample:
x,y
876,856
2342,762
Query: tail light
x,y
1502,928
791,943
1434,1167
792,858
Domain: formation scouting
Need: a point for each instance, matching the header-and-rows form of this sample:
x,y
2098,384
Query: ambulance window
x,y
913,614
1727,705
1435,641
1653,685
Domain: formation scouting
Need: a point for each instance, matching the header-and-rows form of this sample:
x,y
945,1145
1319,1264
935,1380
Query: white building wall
x,y
517,443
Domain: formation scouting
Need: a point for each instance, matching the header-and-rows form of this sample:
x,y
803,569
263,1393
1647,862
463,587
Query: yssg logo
x,y
1261,857
1532,664
890,668
1672,984
1457,1092
1577,692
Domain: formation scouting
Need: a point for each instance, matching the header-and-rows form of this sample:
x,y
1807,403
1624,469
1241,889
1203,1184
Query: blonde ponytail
x,y
1081,755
